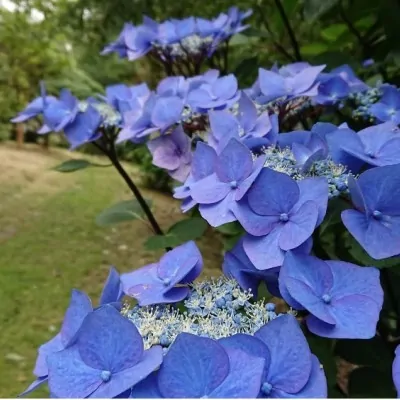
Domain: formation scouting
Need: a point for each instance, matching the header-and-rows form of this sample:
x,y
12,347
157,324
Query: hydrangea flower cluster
x,y
178,43
241,157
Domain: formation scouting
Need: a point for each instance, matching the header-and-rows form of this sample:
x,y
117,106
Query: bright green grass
x,y
49,244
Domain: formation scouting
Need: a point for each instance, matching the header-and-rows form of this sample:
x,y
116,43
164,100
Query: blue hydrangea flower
x,y
343,299
159,113
35,107
347,73
290,370
246,126
80,306
396,371
274,86
124,98
106,359
165,281
280,214
197,367
374,146
375,222
203,165
332,89
119,46
234,174
237,265
173,153
221,93
388,107
173,86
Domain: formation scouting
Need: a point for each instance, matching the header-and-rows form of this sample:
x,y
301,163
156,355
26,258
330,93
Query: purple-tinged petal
x,y
248,182
247,114
223,125
244,378
304,80
209,190
307,279
255,224
314,189
108,341
112,291
52,346
166,156
167,111
379,239
291,361
157,294
264,252
235,162
225,87
356,194
124,380
178,263
219,213
350,279
273,193
33,386
147,388
80,306
356,317
299,227
272,85
144,275
193,367
203,163
316,387
70,377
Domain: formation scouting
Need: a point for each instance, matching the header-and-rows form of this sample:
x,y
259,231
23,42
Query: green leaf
x,y
367,382
72,165
371,352
240,39
333,213
188,229
181,232
247,70
231,229
161,242
121,212
314,9
332,32
230,242
314,49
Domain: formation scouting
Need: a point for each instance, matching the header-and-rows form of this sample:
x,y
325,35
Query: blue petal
x,y
244,378
124,380
272,85
147,388
112,291
307,279
33,386
209,190
80,306
300,226
193,367
70,377
356,317
219,213
52,346
203,163
291,361
178,263
167,111
235,162
108,341
273,193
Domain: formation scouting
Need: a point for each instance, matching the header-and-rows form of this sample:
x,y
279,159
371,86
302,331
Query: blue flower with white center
x,y
165,281
375,221
388,106
106,359
343,299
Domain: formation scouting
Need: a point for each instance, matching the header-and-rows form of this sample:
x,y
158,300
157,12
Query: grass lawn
x,y
49,244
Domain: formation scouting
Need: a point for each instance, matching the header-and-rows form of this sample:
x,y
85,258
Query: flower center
x,y
370,154
377,214
266,388
105,376
326,298
234,184
166,281
284,217
270,307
